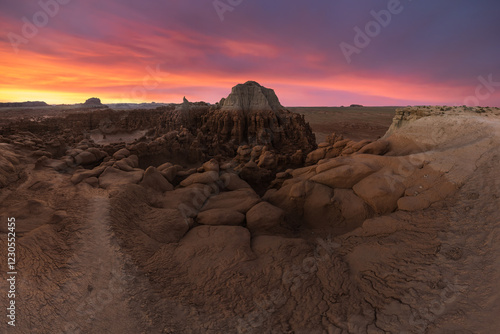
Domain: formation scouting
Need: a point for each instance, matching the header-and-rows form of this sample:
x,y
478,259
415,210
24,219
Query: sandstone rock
x,y
315,156
203,178
170,173
232,181
9,165
353,209
165,166
124,165
82,174
57,165
188,200
93,101
30,214
92,181
267,160
112,177
297,159
359,145
240,200
98,153
221,217
318,209
73,152
264,216
133,161
211,166
41,153
380,147
85,158
251,96
439,191
155,180
381,191
122,153
345,176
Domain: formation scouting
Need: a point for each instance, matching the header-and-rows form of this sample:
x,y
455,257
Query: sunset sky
x,y
423,52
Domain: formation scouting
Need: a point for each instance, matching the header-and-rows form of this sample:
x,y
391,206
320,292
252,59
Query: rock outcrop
x,y
93,101
23,104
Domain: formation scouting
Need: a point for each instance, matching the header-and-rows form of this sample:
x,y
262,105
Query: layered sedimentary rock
x,y
93,101
391,236
192,132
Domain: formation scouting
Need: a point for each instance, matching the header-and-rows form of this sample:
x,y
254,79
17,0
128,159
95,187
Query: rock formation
x,y
23,104
93,101
387,236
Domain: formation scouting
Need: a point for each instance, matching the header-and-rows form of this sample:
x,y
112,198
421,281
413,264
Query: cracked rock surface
x,y
401,236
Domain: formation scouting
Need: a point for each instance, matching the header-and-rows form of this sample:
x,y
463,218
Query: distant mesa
x,y
356,105
93,101
23,104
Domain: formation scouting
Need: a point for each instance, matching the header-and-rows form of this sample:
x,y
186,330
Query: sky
x,y
312,53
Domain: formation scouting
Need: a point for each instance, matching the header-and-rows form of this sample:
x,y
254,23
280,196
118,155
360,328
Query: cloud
x,y
430,53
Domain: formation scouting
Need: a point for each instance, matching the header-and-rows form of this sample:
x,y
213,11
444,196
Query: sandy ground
x,y
355,123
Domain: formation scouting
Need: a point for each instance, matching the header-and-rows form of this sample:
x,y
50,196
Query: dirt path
x,y
101,279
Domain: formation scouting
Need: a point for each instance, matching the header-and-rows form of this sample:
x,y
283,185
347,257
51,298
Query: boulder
x,y
240,200
315,156
267,160
170,173
381,191
124,165
120,154
82,174
232,181
98,153
203,178
380,147
211,166
92,181
345,176
353,209
112,177
264,216
165,166
154,179
221,217
189,200
85,158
